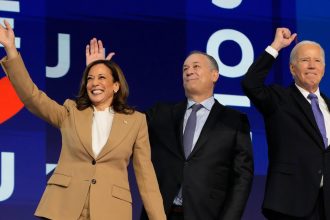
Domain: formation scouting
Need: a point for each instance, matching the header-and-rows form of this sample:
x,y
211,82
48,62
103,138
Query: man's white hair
x,y
293,54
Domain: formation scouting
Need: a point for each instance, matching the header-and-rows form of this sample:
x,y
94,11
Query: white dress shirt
x,y
101,127
201,116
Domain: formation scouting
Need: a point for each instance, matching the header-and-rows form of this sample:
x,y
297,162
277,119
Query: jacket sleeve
x,y
253,83
151,113
145,175
243,170
34,99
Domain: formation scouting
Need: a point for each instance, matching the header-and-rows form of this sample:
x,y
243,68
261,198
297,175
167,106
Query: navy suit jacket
x,y
296,153
216,177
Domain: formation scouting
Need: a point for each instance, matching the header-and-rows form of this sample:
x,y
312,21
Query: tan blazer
x,y
78,171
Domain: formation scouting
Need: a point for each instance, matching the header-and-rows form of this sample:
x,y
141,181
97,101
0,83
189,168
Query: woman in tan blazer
x,y
100,133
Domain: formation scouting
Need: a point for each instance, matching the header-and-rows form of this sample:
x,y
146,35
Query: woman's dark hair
x,y
119,98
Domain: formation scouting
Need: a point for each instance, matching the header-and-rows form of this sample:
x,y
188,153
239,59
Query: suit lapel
x,y
178,116
306,108
327,101
120,126
83,123
211,120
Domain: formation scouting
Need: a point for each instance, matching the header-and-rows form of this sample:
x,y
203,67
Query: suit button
x,y
93,162
319,171
93,181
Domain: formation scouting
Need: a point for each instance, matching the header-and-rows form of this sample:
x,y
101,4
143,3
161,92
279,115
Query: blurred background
x,y
151,39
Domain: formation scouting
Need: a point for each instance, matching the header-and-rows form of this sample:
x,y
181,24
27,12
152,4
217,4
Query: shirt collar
x,y
207,103
109,109
305,93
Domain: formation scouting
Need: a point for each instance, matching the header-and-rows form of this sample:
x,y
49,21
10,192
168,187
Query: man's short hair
x,y
213,62
293,54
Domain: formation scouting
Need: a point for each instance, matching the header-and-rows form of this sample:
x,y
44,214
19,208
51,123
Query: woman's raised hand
x,y
7,39
95,51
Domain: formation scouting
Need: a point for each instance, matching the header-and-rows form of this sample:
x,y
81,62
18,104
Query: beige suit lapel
x,y
120,125
83,122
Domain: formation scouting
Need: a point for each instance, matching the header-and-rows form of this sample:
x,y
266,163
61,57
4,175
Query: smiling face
x,y
101,86
307,68
199,77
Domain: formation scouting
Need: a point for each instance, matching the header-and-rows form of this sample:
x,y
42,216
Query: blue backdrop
x,y
151,39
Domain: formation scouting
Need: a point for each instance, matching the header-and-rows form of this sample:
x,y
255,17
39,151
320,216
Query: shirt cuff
x,y
272,51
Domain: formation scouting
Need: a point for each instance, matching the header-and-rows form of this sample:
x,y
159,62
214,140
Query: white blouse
x,y
101,127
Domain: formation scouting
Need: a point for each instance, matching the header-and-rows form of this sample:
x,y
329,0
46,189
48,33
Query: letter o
x,y
214,43
227,4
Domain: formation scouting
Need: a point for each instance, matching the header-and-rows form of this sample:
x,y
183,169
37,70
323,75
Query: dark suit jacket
x,y
296,154
217,176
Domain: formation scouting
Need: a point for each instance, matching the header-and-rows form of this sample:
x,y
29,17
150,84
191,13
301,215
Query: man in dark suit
x,y
297,121
206,175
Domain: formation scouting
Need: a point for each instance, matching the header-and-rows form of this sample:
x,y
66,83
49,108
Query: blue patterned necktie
x,y
318,117
189,131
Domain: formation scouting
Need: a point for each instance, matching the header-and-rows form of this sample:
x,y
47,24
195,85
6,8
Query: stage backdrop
x,y
151,39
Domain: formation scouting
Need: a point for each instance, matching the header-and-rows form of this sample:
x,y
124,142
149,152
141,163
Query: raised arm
x,y
95,51
34,99
254,81
7,39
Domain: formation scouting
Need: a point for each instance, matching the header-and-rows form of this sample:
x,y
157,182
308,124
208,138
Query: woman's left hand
x,y
95,51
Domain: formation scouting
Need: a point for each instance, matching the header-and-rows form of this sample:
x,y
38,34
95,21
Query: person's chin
x,y
191,90
96,101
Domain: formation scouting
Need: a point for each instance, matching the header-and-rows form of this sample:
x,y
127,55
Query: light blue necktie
x,y
318,117
189,131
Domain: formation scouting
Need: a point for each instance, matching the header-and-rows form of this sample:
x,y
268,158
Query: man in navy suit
x,y
212,179
297,122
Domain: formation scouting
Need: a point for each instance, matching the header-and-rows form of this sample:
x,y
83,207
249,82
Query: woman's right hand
x,y
7,39
95,51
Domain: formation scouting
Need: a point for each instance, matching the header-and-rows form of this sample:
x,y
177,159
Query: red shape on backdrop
x,y
10,104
